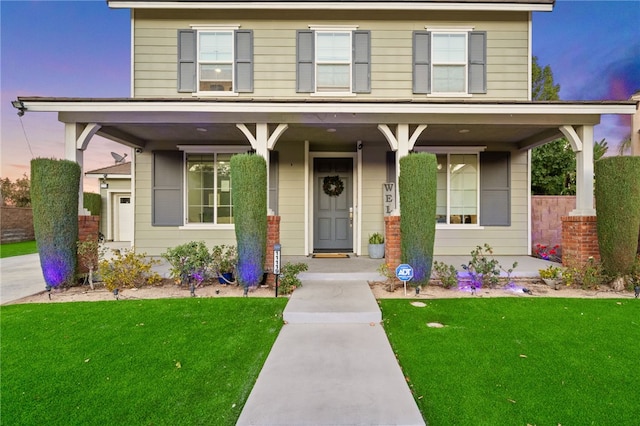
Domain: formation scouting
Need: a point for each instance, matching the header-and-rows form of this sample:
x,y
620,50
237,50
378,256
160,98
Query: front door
x,y
333,208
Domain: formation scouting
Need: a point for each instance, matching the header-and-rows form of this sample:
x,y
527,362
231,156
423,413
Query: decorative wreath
x,y
332,186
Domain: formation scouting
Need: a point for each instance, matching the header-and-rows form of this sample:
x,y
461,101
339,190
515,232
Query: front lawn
x,y
520,361
18,249
154,362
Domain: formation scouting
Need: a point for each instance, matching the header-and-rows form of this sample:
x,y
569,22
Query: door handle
x,y
350,217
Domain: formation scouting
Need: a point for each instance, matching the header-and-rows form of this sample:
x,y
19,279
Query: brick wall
x,y
579,240
16,224
273,236
546,214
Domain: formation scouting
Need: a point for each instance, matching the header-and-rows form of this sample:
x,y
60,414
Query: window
x,y
333,61
457,189
215,60
449,53
209,188
449,62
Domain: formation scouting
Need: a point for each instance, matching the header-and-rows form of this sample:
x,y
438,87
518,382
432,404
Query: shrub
x,y
224,259
89,253
92,202
617,193
417,187
447,274
249,195
376,238
128,269
54,198
189,262
483,269
288,279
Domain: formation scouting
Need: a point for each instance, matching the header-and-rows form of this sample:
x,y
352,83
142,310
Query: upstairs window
x,y
215,61
449,62
333,61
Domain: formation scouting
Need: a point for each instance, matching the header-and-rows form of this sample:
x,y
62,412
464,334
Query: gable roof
x,y
117,169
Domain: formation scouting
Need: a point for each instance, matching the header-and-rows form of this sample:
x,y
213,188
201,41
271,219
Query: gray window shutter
x,y
244,61
495,189
305,55
421,62
478,62
186,61
166,188
361,61
273,181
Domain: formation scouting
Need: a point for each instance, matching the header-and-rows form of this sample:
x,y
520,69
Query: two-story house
x,y
333,94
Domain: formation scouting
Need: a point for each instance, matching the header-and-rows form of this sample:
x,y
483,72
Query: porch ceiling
x,y
135,122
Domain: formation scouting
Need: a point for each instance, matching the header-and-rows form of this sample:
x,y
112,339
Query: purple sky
x,y
82,49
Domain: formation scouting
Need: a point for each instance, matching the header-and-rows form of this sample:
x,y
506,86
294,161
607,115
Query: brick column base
x,y
273,236
88,229
579,240
392,252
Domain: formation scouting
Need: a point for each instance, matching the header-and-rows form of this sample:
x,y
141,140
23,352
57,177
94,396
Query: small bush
x,y
288,279
189,262
128,269
376,238
589,277
483,269
446,274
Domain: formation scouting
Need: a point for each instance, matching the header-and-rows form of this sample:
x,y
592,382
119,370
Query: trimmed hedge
x,y
417,187
249,195
92,202
54,198
617,192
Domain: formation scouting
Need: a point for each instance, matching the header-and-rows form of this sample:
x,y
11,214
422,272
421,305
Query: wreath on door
x,y
332,186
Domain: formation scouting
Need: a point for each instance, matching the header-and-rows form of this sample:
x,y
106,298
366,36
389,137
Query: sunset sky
x,y
82,49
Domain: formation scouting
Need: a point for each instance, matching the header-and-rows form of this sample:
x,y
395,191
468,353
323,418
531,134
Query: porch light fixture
x,y
103,183
19,106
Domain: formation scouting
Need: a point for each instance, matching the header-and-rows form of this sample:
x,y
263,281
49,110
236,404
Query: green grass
x,y
154,362
18,249
507,361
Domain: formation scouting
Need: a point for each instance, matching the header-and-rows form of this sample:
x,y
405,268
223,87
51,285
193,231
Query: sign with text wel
x,y
389,200
404,272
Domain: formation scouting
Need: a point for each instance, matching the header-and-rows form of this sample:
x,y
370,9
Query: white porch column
x,y
582,142
76,140
635,127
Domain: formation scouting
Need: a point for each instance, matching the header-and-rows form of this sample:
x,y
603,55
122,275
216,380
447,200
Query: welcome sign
x,y
389,194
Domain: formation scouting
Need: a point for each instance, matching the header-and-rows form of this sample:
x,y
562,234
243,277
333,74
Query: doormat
x,y
330,256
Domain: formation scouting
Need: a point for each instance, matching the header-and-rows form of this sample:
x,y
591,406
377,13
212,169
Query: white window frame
x,y
200,29
318,30
462,150
205,150
450,31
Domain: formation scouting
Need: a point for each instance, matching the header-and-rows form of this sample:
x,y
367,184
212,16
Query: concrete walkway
x,y
331,364
20,276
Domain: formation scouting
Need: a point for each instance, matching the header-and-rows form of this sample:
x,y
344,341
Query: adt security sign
x,y
404,272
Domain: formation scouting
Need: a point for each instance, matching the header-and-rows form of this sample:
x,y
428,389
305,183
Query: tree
x,y
553,165
16,193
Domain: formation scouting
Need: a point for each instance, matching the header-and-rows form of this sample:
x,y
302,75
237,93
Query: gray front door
x,y
332,218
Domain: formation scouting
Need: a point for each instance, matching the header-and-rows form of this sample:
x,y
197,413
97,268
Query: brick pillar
x,y
88,228
579,240
392,251
273,236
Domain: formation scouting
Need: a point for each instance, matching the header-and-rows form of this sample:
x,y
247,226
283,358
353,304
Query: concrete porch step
x,y
332,302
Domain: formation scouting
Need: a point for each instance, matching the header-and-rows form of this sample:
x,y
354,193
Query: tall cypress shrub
x,y
617,191
249,195
417,187
54,198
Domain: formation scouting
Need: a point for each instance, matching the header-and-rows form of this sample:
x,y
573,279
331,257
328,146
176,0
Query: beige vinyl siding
x,y
274,33
505,240
291,195
374,174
